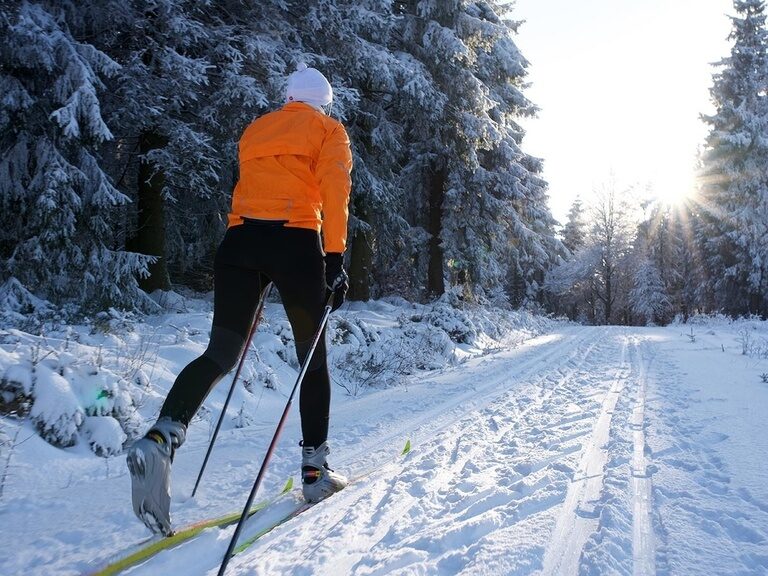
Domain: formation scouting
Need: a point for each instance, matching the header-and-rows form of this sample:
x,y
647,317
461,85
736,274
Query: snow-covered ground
x,y
538,447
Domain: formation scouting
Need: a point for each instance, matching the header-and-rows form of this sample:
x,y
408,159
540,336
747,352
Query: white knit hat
x,y
310,86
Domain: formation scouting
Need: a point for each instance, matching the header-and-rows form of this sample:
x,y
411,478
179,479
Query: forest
x,y
119,124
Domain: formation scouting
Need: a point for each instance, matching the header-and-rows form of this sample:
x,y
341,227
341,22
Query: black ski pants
x,y
250,256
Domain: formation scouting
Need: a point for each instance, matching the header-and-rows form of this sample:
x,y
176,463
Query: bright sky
x,y
620,84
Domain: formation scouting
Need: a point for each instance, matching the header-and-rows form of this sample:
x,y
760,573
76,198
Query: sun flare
x,y
675,187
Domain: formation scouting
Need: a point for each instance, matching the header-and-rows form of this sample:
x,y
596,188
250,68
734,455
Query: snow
x,y
539,447
56,411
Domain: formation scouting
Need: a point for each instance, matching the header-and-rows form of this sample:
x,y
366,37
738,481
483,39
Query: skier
x,y
295,166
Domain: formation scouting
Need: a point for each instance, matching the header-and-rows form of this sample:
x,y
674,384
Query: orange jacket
x,y
295,165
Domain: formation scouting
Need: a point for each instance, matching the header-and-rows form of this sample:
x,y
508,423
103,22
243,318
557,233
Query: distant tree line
x,y
707,255
119,123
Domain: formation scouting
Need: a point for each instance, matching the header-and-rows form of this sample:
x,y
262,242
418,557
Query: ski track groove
x,y
458,487
643,538
487,381
579,515
538,463
580,452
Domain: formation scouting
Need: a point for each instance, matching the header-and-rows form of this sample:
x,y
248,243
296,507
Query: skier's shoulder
x,y
332,124
267,118
294,113
295,121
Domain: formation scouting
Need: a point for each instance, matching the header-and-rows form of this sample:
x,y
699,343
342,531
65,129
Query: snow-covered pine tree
x,y
572,284
509,175
59,209
192,76
575,230
661,244
647,298
371,85
655,261
733,211
474,191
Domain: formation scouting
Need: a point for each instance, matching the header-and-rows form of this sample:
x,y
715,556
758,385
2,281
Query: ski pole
x,y
271,449
256,318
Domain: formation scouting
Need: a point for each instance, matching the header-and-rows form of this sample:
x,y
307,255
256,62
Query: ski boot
x,y
149,462
317,480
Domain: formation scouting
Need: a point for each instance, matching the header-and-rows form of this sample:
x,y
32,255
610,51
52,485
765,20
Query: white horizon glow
x,y
621,85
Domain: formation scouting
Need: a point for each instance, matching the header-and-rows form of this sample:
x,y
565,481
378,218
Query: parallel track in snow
x,y
522,450
513,467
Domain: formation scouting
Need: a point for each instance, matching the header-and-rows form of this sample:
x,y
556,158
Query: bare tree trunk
x,y
361,259
608,294
150,233
435,273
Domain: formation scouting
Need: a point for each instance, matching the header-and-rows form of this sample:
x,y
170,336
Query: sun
x,y
674,187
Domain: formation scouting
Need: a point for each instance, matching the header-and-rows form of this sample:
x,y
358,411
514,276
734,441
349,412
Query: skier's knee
x,y
224,348
318,358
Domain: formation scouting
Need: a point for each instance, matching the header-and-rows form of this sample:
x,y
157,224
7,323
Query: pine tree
x,y
371,85
572,282
662,246
647,298
192,76
654,262
575,229
59,234
476,193
733,211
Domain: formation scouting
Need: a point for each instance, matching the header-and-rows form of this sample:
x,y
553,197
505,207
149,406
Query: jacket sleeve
x,y
334,166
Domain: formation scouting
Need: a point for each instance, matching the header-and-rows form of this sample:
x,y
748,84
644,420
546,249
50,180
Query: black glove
x,y
336,279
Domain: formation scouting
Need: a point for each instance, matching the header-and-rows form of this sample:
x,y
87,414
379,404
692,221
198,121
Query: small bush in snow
x,y
113,322
709,319
363,357
16,391
243,418
453,322
745,339
56,411
104,435
257,373
59,392
170,301
352,331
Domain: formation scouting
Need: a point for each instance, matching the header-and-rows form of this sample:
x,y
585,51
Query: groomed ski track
x,y
533,462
